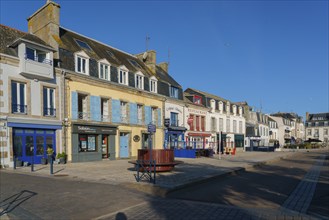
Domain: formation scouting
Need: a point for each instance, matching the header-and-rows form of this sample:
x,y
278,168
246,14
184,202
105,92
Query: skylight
x,y
83,44
134,63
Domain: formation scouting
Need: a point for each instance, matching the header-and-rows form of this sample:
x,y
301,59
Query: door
x,y
105,153
124,148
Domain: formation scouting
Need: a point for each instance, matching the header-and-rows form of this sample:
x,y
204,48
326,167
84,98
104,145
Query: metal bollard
x,y
14,162
32,164
51,165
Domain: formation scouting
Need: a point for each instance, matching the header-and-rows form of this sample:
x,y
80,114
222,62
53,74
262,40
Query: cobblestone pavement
x,y
182,209
300,199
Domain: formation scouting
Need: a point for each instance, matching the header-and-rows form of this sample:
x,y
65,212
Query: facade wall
x,y
129,129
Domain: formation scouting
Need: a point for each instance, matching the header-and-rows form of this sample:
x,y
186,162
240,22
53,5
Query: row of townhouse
x,y
62,90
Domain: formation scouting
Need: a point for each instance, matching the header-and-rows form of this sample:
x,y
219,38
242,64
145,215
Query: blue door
x,y
124,148
30,145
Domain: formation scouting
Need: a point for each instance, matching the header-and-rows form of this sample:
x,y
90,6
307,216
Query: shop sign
x,y
85,129
195,111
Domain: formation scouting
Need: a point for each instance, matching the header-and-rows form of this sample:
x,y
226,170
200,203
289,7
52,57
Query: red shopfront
x,y
197,140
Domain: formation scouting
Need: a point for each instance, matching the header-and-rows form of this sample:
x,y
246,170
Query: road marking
x,y
301,198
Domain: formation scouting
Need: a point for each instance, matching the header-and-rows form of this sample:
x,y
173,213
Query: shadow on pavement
x,y
12,202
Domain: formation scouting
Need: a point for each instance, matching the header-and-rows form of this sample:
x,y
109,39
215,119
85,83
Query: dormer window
x,y
123,75
104,69
197,100
153,84
221,107
240,111
139,80
234,109
82,63
173,92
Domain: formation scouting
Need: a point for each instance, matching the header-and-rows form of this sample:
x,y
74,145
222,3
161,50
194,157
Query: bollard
x,y
14,162
51,165
32,163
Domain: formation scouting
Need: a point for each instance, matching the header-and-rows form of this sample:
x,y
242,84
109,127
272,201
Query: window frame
x,y
173,92
153,88
102,74
18,97
49,109
82,56
139,80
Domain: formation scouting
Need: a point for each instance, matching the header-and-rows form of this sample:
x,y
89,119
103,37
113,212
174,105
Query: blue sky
x,y
272,54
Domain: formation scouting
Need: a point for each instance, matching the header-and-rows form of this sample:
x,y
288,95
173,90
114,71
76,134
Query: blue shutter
x,y
95,108
159,118
148,114
133,113
74,107
116,111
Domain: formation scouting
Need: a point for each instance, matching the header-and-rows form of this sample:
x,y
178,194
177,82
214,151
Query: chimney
x,y
164,66
44,23
307,116
149,58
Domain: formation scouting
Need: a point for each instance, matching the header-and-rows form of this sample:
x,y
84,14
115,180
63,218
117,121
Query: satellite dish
x,y
145,56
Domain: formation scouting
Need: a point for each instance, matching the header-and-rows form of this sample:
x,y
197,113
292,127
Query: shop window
x,y
87,143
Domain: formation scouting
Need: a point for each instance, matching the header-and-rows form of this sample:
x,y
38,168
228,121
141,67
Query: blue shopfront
x,y
31,141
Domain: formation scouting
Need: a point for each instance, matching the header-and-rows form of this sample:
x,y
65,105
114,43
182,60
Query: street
x,y
264,192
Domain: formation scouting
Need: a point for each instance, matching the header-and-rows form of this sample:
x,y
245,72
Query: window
x,y
213,124
173,92
173,119
139,80
140,114
123,76
316,133
82,64
153,86
154,115
197,122
197,100
135,63
105,110
191,122
240,127
104,71
49,102
220,107
87,143
82,107
37,55
221,124
228,127
309,132
18,97
203,123
83,44
123,112
234,126
325,131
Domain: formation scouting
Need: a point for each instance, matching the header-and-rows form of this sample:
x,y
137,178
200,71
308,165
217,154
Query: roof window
x,y
83,44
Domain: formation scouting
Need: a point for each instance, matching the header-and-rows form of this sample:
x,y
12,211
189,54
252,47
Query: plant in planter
x,y
62,157
50,153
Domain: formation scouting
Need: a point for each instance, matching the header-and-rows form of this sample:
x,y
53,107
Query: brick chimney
x,y
164,66
44,23
149,58
307,116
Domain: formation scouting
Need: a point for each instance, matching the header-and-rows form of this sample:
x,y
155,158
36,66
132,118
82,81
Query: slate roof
x,y
10,35
195,91
314,117
115,56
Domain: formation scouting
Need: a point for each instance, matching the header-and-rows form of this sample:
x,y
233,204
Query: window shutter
x,y
148,114
45,100
116,111
95,108
133,113
159,118
74,107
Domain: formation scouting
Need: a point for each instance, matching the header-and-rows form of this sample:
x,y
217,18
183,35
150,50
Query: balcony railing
x,y
124,119
140,121
39,59
84,115
22,109
49,112
174,123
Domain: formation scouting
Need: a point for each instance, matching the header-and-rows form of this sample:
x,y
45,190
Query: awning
x,y
199,134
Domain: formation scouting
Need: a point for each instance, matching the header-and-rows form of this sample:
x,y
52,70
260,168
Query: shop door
x,y
124,149
104,147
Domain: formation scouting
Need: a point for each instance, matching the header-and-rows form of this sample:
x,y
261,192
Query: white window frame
x,y
18,97
48,104
123,75
124,112
139,80
103,74
153,84
174,92
83,56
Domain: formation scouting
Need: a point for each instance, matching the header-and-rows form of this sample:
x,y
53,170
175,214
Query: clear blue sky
x,y
272,54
